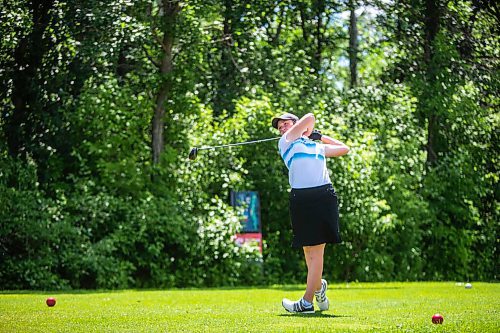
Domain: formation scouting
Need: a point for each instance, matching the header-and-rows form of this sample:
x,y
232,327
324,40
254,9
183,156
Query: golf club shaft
x,y
238,144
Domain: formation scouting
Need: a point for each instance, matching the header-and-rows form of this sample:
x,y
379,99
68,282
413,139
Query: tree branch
x,y
154,62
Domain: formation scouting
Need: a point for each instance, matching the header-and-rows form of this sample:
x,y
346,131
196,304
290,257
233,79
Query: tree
x,y
164,28
24,125
445,71
353,44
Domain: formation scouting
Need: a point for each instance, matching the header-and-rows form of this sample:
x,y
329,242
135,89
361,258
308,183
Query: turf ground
x,y
355,307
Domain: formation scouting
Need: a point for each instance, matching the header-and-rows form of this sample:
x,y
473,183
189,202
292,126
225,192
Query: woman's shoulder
x,y
284,144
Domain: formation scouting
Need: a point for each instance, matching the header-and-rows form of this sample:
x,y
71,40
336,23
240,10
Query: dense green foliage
x,y
84,88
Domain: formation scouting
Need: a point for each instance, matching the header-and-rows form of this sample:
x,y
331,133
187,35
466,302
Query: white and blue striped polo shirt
x,y
306,162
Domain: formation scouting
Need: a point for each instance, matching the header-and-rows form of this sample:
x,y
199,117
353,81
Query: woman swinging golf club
x,y
313,201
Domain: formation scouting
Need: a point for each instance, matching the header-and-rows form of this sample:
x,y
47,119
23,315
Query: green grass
x,y
357,307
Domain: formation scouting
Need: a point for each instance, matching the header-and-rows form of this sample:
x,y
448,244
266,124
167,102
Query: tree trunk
x,y
303,21
320,9
432,18
353,45
226,85
170,11
28,57
432,133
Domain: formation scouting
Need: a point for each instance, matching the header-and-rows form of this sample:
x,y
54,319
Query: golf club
x,y
194,152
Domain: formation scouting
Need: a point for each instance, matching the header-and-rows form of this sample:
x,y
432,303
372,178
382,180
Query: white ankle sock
x,y
306,303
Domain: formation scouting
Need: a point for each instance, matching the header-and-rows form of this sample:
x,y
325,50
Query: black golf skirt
x,y
314,214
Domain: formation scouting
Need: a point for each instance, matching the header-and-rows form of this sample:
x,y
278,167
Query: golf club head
x,y
193,153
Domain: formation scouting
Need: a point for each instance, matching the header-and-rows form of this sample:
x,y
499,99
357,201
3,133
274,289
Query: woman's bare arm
x,y
303,126
334,148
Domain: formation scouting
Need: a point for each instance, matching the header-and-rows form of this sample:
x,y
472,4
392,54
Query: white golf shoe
x,y
297,307
320,295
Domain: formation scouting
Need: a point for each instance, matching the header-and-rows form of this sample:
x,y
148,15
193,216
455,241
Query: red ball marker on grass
x,y
51,301
437,319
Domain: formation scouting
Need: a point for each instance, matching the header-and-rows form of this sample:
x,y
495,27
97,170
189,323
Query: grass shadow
x,y
312,315
363,288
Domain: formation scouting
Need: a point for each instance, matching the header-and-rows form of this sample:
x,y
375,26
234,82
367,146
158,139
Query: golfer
x,y
313,201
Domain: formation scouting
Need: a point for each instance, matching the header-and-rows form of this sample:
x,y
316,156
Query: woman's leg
x,y
314,261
